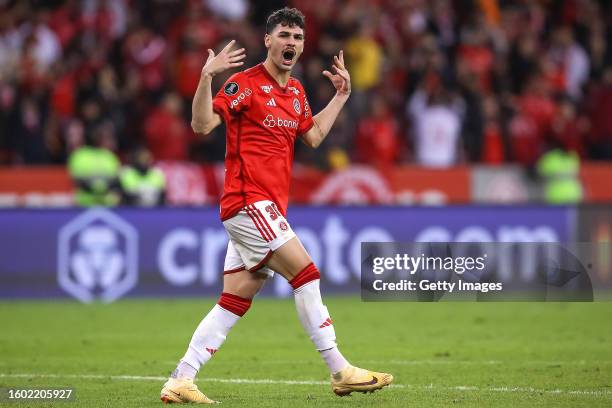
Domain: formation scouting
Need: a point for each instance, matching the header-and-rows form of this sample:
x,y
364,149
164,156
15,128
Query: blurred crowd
x,y
435,82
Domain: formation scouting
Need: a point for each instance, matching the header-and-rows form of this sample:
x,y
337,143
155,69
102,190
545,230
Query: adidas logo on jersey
x,y
266,88
271,102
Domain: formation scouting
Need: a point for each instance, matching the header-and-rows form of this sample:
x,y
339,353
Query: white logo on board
x,y
97,256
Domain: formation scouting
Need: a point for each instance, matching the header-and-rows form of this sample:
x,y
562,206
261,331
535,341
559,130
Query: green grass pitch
x,y
441,354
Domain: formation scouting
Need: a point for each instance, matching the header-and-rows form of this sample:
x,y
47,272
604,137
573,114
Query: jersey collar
x,y
270,77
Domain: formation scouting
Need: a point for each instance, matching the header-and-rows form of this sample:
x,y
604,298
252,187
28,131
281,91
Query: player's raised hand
x,y
341,79
226,59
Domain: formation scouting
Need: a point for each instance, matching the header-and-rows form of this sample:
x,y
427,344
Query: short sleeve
x,y
233,97
306,121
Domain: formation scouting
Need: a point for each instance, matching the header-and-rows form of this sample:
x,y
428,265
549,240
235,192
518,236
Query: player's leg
x,y
239,288
263,238
293,262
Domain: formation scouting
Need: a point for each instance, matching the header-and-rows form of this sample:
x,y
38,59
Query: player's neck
x,y
282,77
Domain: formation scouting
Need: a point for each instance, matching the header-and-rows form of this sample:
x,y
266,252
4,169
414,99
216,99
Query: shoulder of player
x,y
252,72
243,76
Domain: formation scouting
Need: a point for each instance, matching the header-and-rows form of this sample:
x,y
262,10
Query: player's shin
x,y
211,333
315,318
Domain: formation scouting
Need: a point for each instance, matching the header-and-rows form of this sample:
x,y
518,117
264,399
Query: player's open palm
x,y
226,59
341,79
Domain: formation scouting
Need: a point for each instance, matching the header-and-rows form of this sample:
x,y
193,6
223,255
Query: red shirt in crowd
x,y
378,140
168,136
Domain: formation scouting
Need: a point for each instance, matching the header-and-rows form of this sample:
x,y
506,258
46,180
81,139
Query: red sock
x,y
235,304
308,274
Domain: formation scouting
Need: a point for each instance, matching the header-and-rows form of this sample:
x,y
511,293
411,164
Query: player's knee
x,y
244,284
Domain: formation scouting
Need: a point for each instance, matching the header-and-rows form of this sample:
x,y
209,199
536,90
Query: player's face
x,y
285,45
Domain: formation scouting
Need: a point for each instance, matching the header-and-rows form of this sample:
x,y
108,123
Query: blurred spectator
x,y
378,140
493,149
192,34
188,69
571,61
94,169
509,68
599,103
437,126
599,49
559,168
470,88
168,136
74,136
144,52
477,54
364,59
8,113
568,129
234,10
27,133
534,113
142,184
523,60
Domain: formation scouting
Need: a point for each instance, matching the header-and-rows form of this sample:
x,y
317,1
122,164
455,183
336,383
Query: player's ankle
x,y
335,360
184,371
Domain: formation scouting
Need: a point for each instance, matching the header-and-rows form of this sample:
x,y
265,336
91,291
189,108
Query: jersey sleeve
x,y
233,98
306,121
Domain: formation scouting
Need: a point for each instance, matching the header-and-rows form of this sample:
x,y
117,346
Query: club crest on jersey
x,y
283,226
267,88
296,106
294,90
231,89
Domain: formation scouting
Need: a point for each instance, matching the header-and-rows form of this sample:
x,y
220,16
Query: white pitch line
x,y
513,389
466,388
422,362
483,362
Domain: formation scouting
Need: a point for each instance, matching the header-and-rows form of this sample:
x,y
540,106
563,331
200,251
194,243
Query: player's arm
x,y
324,120
203,118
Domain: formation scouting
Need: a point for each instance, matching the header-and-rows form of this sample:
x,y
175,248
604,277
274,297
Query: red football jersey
x,y
263,120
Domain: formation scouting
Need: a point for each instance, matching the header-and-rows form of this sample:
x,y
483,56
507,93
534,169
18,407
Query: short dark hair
x,y
287,17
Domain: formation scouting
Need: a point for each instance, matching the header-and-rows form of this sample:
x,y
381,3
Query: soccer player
x,y
265,110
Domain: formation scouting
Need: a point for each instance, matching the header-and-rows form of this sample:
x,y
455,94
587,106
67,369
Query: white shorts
x,y
254,233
